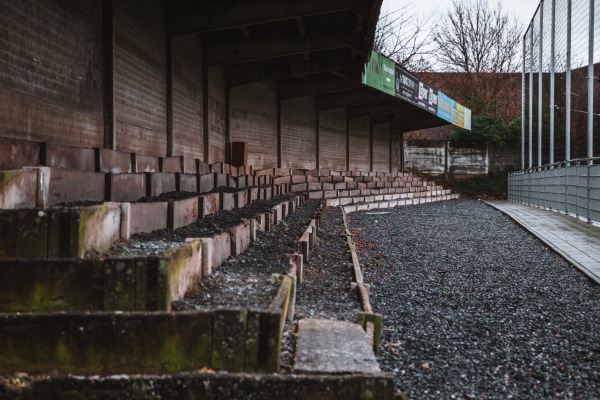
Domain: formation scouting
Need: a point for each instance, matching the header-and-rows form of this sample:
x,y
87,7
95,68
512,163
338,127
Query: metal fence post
x,y
540,84
552,81
568,88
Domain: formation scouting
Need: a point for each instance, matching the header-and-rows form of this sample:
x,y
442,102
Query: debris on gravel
x,y
246,280
475,307
325,292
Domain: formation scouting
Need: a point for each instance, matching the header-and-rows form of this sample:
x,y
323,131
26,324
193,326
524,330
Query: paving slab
x,y
575,240
326,346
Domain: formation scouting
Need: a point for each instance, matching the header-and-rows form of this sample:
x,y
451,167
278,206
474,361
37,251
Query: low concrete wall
x,y
573,189
216,387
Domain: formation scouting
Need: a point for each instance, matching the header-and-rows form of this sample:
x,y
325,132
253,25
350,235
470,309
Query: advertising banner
x,y
379,73
444,108
458,114
410,88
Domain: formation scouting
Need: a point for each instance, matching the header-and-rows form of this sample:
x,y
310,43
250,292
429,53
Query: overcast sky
x,y
523,9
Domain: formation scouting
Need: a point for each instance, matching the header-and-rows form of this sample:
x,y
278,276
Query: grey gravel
x,y
474,307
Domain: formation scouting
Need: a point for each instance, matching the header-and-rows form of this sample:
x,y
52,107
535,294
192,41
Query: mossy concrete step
x,y
326,346
211,387
225,339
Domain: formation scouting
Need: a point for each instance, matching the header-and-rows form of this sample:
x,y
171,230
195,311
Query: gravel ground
x,y
474,307
325,291
246,280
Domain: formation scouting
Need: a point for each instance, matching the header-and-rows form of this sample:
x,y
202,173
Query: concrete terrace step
x,y
333,347
373,205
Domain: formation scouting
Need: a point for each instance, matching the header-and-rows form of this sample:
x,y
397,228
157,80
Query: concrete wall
x,y
332,139
434,158
216,114
298,133
51,71
254,120
188,129
52,90
381,147
360,158
140,77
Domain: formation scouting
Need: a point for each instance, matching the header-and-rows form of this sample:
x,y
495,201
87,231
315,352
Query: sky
x,y
523,9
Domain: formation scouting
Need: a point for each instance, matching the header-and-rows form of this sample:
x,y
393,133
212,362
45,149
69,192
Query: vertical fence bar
x,y
552,79
531,96
540,84
523,108
568,88
590,109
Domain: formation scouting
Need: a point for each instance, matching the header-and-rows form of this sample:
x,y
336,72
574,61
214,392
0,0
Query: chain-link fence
x,y
561,108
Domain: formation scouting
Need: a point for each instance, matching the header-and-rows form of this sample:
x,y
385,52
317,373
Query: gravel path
x,y
474,307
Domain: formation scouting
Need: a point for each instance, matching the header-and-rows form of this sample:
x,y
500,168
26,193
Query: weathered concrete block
x,y
67,157
159,183
94,228
267,193
190,165
315,195
148,217
261,222
241,198
24,234
114,161
125,187
171,164
299,187
143,163
209,204
221,180
187,182
228,351
240,237
68,185
50,285
120,284
277,316
16,154
253,194
227,201
183,212
220,168
215,250
105,343
206,182
330,194
18,189
185,267
277,214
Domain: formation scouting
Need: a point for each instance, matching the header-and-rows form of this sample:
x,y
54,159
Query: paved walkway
x,y
575,240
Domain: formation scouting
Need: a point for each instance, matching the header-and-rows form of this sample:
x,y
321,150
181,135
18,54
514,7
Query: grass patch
x,y
492,186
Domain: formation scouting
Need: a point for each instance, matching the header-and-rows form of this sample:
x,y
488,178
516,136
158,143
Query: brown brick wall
x,y
359,144
254,120
381,147
51,71
216,114
140,77
187,98
333,139
298,133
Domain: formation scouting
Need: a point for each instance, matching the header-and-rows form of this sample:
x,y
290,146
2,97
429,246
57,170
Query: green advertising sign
x,y
380,74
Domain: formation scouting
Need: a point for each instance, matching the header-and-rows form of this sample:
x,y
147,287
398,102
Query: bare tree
x,y
477,37
404,37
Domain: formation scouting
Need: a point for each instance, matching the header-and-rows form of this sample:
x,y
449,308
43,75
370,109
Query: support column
x,y
590,108
170,83
108,28
540,85
370,145
318,135
552,79
279,139
205,119
568,88
347,143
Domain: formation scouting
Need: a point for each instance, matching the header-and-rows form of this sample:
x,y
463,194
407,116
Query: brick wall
x,y
140,77
359,144
187,98
254,120
216,114
381,147
51,71
333,139
298,133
